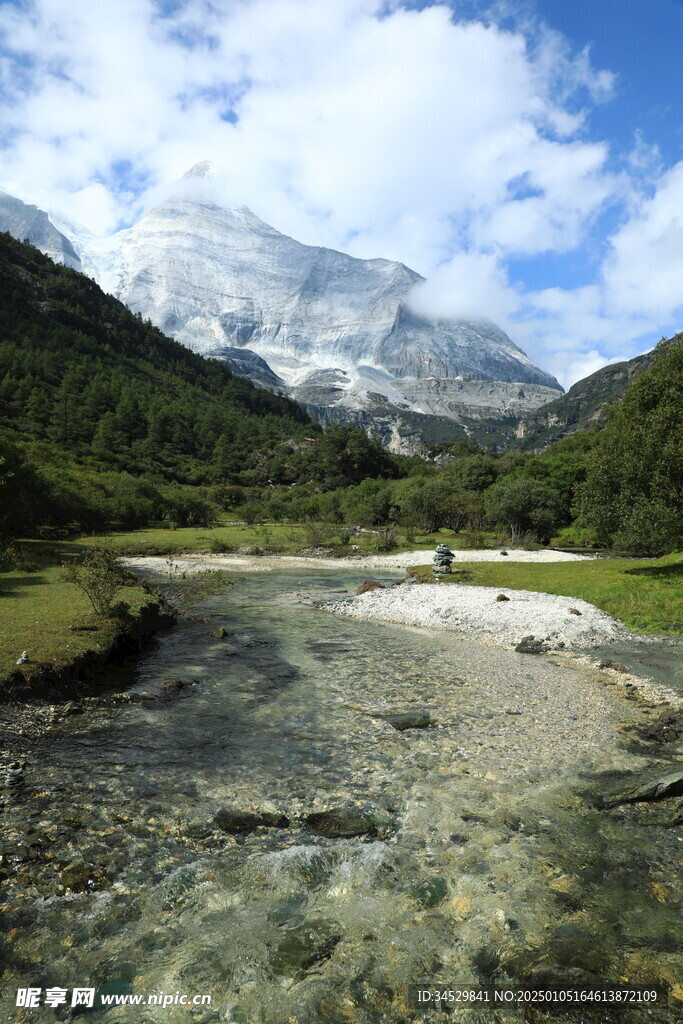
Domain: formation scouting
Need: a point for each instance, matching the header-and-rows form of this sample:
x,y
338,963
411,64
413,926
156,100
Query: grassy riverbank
x,y
279,539
645,594
42,614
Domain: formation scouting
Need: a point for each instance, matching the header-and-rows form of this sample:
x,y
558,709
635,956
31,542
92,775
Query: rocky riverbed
x,y
306,815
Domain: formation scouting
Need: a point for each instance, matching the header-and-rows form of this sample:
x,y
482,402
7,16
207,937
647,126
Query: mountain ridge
x,y
583,406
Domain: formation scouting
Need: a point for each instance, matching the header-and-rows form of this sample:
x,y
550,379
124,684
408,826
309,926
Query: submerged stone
x,y
303,946
408,720
429,892
341,823
236,821
75,875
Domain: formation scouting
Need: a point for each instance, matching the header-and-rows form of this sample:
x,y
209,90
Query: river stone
x,y
236,821
658,789
175,684
529,645
408,720
369,585
303,946
341,823
616,666
666,728
72,708
75,875
220,633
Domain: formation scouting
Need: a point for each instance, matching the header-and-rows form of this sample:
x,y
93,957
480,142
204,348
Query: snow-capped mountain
x,y
220,279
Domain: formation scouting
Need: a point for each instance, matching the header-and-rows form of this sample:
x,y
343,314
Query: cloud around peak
x,y
455,146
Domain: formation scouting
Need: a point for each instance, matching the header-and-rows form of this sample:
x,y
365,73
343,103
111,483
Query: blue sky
x,y
526,156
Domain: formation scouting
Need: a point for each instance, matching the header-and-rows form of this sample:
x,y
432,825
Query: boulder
x,y
667,728
657,789
72,708
369,585
175,684
529,645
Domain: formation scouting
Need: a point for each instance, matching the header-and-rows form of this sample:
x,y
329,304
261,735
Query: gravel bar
x,y
475,611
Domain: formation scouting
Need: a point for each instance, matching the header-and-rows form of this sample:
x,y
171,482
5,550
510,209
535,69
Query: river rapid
x,y
481,859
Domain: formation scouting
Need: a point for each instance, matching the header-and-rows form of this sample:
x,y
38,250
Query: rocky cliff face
x,y
331,330
24,221
469,400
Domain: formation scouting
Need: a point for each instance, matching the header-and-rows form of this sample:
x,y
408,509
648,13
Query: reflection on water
x,y
486,861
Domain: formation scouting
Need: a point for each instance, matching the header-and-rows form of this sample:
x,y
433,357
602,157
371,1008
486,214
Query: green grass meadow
x,y
37,611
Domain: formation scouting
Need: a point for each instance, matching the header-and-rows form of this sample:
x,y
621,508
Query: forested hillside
x,y
77,368
106,423
633,493
584,406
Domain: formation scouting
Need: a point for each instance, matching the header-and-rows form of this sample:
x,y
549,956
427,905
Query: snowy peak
x,y
220,280
204,169
25,221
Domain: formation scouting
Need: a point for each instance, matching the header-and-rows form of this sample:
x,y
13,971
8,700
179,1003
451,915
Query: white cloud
x,y
468,286
357,124
394,136
644,270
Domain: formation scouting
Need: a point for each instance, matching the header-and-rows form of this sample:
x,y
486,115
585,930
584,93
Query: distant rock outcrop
x,y
583,406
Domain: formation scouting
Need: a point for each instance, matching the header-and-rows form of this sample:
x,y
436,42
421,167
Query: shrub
x,y
386,539
20,558
319,535
100,576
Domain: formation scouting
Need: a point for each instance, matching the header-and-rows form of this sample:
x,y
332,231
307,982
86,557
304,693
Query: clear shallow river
x,y
486,862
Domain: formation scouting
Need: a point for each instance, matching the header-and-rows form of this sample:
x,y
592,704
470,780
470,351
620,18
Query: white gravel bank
x,y
475,612
268,563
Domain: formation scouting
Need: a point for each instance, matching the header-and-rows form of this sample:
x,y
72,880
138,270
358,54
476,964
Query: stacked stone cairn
x,y
443,557
13,776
